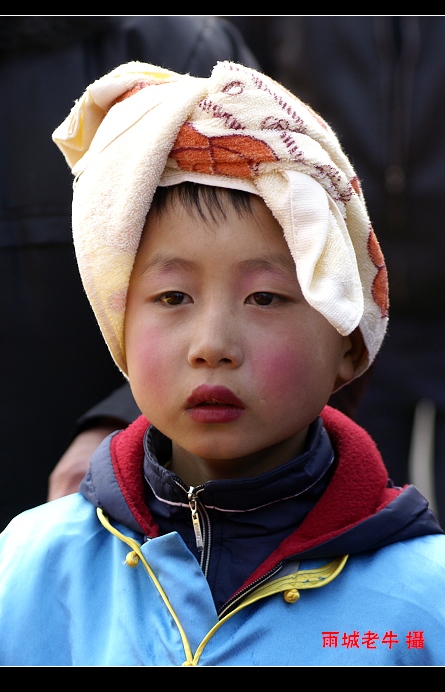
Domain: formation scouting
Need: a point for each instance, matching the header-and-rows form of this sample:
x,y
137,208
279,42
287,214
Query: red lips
x,y
218,404
205,394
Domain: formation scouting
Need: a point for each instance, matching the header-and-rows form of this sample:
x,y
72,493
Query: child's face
x,y
224,354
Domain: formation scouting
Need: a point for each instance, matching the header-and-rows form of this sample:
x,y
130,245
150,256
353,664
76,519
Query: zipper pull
x,y
193,503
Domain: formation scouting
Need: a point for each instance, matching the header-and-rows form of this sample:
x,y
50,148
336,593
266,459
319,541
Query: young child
x,y
224,245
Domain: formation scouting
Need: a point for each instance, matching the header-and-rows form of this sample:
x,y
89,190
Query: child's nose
x,y
216,341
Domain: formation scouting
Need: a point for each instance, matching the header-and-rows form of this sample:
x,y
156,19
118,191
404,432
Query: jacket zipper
x,y
201,524
202,529
235,600
193,504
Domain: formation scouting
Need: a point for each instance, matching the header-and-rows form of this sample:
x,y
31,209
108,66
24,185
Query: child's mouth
x,y
209,395
214,404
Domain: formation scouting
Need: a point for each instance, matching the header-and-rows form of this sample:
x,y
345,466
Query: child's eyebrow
x,y
165,263
271,263
268,264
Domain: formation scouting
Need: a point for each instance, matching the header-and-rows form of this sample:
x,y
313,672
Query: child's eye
x,y
264,298
172,298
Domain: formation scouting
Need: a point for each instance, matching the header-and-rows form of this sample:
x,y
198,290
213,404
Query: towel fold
x,y
142,126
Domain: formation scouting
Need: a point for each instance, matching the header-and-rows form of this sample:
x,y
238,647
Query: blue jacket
x,y
91,579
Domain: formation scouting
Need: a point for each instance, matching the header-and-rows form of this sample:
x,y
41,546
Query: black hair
x,y
196,197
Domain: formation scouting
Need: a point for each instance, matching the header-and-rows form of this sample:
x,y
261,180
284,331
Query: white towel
x,y
141,126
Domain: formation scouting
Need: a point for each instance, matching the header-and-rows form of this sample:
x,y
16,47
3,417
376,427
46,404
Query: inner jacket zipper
x,y
203,532
193,504
202,529
201,524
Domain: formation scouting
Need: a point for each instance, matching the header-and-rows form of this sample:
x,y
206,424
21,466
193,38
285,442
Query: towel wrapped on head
x,y
141,126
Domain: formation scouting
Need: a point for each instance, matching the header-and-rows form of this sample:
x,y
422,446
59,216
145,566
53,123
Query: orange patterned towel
x,y
141,126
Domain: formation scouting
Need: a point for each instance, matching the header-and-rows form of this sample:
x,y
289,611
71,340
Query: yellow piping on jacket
x,y
290,585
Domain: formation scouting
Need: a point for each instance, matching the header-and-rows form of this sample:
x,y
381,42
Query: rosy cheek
x,y
280,372
148,363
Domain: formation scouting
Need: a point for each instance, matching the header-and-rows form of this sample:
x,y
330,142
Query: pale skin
x,y
73,465
217,304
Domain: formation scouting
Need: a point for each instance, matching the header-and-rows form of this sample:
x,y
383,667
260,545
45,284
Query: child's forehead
x,y
241,229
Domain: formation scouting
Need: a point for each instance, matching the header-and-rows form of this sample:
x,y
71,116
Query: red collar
x,y
357,490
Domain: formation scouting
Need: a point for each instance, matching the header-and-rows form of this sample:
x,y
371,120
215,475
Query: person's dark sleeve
x,y
119,408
